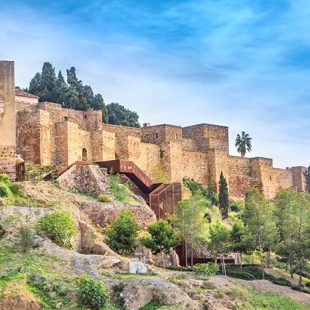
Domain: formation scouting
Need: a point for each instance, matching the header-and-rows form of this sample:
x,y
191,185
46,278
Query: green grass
x,y
55,284
255,300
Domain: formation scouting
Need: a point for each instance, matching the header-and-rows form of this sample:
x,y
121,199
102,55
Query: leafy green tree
x,y
223,197
292,215
307,177
259,223
161,238
191,222
243,143
220,242
122,233
238,239
119,115
302,236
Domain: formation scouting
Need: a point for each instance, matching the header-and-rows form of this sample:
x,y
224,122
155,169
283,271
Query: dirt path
x,y
267,286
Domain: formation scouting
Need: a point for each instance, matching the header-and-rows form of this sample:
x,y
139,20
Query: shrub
x,y
4,190
281,281
122,233
104,198
119,191
300,289
4,178
308,284
15,189
60,226
236,206
93,293
207,270
161,237
26,238
240,275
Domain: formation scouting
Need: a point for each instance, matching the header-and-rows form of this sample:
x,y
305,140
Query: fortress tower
x,y
7,119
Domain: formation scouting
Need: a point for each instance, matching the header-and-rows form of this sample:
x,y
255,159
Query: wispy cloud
x,y
242,63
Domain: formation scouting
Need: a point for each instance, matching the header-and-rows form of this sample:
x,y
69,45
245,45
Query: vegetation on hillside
x,y
73,94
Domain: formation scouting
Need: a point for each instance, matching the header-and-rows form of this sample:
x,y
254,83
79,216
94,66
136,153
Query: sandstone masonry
x,y
48,134
7,119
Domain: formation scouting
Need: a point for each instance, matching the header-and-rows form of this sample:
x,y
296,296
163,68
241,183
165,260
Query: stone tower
x,y
7,119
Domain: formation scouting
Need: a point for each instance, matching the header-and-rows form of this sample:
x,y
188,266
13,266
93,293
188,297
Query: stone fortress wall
x,y
7,119
48,134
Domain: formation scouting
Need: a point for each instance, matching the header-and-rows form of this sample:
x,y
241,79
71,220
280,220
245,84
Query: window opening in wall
x,y
156,135
85,116
65,118
270,178
84,154
176,136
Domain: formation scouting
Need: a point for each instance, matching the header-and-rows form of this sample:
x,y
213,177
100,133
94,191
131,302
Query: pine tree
x,y
223,197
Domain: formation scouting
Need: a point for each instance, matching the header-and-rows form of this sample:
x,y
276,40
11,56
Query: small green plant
x,y
206,270
26,238
104,198
118,190
122,233
60,226
4,190
152,305
93,293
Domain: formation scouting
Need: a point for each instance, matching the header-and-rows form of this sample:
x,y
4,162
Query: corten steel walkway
x,y
162,198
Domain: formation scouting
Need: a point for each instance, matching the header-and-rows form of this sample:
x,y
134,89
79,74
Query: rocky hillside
x,y
39,272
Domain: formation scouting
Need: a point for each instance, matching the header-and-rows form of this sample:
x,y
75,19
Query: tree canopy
x,y
73,94
243,143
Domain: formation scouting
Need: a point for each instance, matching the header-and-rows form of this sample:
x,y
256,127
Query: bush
x,y
236,206
122,233
104,198
160,237
26,238
93,293
308,284
60,226
4,190
300,289
240,274
15,189
4,178
119,191
207,270
281,281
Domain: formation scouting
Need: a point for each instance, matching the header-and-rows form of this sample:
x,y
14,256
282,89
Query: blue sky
x,y
240,63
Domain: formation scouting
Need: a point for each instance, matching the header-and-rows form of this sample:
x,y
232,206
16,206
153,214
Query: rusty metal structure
x,y
162,198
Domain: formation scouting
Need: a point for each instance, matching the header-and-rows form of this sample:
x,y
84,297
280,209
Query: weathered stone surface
x,y
7,119
137,267
139,292
86,178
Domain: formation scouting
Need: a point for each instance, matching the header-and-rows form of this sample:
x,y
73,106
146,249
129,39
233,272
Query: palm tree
x,y
243,143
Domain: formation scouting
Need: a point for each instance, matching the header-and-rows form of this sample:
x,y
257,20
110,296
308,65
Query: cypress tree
x,y
62,89
35,84
223,197
48,83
